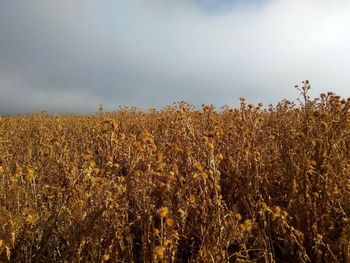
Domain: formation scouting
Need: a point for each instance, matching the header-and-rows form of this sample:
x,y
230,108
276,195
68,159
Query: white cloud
x,y
150,53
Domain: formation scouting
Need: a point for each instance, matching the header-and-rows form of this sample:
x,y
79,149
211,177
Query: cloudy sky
x,y
72,55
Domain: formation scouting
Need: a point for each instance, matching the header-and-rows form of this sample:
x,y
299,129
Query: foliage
x,y
243,184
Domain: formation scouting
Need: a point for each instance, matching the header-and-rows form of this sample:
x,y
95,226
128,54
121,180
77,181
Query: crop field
x,y
179,184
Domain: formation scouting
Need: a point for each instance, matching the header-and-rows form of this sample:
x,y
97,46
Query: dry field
x,y
243,184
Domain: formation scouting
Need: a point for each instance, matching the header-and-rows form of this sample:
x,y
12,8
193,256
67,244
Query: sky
x,y
69,56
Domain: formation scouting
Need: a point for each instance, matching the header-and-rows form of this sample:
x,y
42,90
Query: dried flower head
x,y
30,174
159,252
162,212
169,222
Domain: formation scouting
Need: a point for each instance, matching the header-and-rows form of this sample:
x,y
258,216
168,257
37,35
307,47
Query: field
x,y
245,184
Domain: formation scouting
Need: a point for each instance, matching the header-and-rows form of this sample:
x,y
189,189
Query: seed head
x,y
159,251
169,222
192,199
163,212
105,257
30,174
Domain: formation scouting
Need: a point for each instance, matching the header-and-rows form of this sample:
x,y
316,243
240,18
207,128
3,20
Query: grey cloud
x,y
71,55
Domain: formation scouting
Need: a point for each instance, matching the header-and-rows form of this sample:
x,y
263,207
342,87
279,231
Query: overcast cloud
x,y
72,55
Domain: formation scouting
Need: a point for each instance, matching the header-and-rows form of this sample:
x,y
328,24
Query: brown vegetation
x,y
178,184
